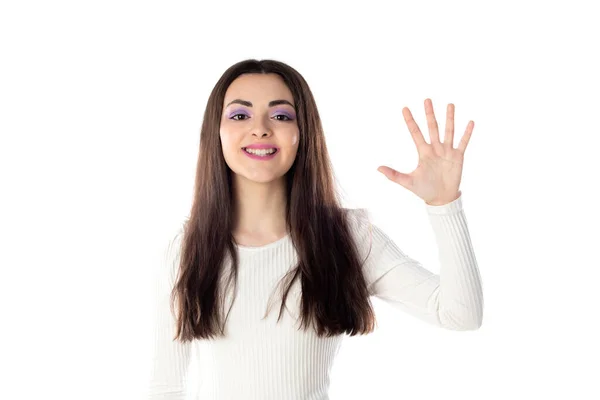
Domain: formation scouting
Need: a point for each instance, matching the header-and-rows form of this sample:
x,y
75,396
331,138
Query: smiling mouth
x,y
275,150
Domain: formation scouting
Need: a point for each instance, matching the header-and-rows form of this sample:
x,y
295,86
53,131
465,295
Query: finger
x,y
400,178
432,124
413,129
449,133
464,141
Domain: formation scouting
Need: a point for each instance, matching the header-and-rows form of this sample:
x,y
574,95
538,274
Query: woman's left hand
x,y
436,179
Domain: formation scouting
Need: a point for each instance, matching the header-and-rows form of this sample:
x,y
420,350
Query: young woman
x,y
266,227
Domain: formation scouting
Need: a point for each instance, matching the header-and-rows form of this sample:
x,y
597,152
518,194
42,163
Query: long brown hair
x,y
334,292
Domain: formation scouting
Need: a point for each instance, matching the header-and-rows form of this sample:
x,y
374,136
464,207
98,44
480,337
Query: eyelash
x,y
278,115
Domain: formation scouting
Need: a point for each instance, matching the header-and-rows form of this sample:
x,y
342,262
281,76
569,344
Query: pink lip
x,y
255,157
261,146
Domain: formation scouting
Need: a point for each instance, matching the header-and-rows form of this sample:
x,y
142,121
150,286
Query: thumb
x,y
395,176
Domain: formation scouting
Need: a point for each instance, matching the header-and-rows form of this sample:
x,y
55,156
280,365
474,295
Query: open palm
x,y
437,177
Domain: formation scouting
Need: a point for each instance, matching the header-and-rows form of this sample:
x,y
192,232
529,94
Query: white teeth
x,y
261,152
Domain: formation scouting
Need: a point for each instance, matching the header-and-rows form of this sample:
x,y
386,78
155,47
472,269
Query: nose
x,y
261,128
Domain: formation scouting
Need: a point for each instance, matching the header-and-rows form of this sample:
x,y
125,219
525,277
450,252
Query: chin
x,y
260,178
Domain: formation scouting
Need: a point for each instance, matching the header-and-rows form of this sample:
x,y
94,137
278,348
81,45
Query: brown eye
x,y
236,115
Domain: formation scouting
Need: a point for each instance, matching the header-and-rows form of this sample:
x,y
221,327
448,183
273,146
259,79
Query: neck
x,y
260,208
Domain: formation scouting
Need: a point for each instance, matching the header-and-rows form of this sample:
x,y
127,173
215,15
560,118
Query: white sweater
x,y
264,360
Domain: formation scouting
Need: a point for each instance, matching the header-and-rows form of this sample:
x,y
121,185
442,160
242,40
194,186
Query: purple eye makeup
x,y
238,111
290,115
286,113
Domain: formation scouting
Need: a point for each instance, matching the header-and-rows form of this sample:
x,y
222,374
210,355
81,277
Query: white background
x,y
101,105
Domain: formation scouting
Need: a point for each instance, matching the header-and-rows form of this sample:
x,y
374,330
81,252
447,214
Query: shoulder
x,y
361,228
171,253
359,220
174,244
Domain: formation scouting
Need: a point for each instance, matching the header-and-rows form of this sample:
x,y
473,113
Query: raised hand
x,y
437,177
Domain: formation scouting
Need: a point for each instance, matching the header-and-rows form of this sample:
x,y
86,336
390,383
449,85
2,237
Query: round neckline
x,y
263,247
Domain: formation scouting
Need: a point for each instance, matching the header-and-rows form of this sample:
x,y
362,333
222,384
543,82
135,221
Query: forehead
x,y
258,88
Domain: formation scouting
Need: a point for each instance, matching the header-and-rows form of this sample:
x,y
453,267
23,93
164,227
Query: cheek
x,y
227,138
224,141
294,139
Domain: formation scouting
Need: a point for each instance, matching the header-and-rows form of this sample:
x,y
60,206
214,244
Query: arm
x,y
171,359
454,298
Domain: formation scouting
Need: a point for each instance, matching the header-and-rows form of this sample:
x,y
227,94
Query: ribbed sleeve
x,y
171,358
454,298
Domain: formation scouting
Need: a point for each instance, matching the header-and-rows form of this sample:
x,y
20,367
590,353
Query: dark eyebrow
x,y
271,103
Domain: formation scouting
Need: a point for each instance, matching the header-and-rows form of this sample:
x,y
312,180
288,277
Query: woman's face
x,y
248,119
